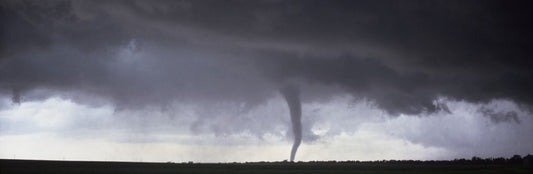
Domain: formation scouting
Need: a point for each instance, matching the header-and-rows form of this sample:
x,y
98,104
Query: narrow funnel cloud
x,y
292,96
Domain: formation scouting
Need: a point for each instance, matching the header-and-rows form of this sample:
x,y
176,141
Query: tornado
x,y
292,96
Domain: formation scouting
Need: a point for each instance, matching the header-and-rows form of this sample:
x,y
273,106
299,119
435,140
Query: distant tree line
x,y
515,160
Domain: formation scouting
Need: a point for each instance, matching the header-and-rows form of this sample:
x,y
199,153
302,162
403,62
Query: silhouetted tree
x,y
516,159
528,161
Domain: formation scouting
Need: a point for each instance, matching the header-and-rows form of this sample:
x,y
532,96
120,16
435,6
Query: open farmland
x,y
35,166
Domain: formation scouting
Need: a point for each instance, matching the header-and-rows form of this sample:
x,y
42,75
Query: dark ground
x,y
36,166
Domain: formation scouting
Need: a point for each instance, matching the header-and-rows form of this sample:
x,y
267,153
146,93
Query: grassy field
x,y
34,166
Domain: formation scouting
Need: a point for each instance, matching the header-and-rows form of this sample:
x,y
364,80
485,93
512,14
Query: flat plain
x,y
59,167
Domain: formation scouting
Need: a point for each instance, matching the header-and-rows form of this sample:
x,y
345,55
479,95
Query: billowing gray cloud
x,y
499,116
403,56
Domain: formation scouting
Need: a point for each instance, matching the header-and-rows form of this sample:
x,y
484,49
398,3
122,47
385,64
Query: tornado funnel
x,y
292,96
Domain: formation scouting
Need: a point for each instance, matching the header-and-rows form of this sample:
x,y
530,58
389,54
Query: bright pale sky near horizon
x,y
201,80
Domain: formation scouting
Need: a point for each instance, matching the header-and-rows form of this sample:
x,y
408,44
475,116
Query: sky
x,y
224,81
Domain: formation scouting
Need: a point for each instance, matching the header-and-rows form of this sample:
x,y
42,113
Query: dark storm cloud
x,y
499,116
401,55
